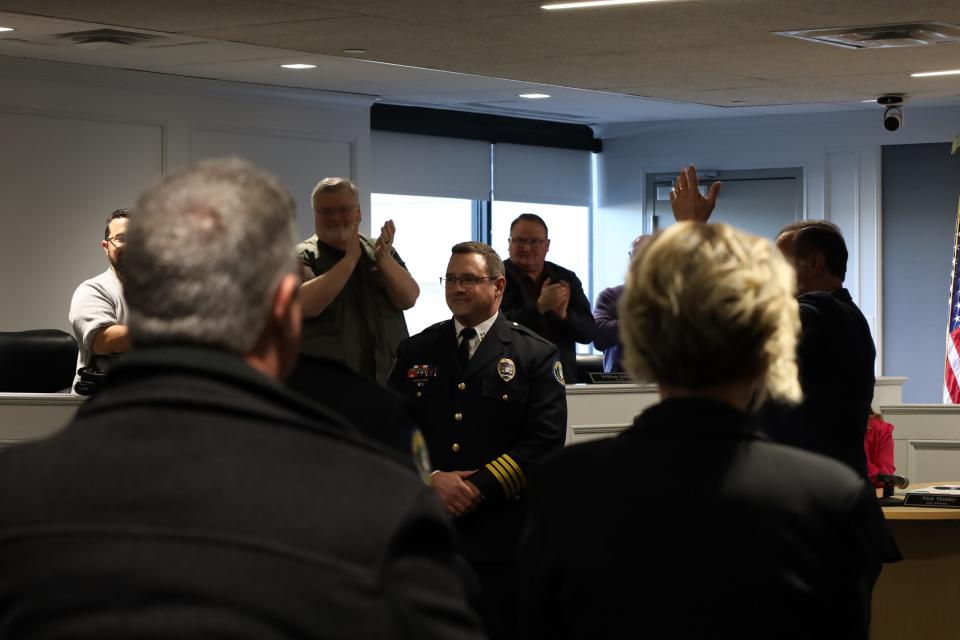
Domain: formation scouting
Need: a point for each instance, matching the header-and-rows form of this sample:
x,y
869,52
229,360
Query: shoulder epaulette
x,y
519,328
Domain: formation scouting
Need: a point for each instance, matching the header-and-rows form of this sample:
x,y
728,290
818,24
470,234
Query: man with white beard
x,y
354,289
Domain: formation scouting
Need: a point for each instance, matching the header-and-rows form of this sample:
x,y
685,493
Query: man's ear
x,y
105,245
501,284
817,262
547,246
286,302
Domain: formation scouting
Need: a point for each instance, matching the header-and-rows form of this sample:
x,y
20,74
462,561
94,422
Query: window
x,y
426,229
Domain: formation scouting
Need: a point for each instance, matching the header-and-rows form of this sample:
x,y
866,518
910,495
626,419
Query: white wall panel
x,y
78,142
299,159
62,176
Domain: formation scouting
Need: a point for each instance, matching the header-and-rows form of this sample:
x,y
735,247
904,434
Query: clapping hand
x,y
554,297
384,244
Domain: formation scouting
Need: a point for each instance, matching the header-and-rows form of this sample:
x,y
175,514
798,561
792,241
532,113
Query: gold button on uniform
x,y
462,386
419,393
455,447
506,397
458,416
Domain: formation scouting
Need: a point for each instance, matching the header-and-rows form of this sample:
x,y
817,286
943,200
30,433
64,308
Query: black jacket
x,y
500,416
579,325
194,497
690,525
835,357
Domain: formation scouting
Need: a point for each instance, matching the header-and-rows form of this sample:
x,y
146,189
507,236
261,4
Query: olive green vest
x,y
360,328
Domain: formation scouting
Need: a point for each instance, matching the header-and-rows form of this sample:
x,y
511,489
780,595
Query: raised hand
x,y
686,200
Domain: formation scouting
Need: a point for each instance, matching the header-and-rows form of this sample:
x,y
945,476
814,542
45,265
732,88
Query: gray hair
x,y
204,254
332,185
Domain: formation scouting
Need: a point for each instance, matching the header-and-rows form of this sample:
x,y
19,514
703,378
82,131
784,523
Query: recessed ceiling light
x,y
930,74
6,28
299,66
534,96
354,52
592,3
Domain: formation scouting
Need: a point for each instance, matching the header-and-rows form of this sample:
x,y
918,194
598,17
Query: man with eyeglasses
x,y
354,289
98,312
544,296
488,395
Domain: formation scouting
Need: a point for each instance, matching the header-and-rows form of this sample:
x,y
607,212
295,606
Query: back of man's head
x,y
205,252
822,236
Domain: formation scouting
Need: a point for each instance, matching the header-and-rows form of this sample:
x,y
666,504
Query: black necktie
x,y
463,351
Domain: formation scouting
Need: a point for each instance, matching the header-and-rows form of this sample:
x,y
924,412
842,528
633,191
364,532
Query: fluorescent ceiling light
x,y
872,100
592,3
534,96
299,66
6,28
930,74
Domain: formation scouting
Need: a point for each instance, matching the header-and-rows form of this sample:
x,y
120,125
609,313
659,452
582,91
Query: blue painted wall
x,y
921,185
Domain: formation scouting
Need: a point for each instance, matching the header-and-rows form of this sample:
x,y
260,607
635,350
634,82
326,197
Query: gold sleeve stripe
x,y
508,471
518,472
510,485
496,474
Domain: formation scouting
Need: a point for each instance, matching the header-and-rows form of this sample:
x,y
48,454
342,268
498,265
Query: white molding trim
x,y
67,114
923,409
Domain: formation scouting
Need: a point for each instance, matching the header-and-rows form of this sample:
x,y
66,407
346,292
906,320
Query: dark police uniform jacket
x,y
691,524
195,497
500,416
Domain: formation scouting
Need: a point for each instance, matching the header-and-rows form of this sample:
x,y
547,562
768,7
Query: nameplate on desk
x,y
600,378
947,497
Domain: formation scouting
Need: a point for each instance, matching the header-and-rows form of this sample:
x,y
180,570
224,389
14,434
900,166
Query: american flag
x,y
951,374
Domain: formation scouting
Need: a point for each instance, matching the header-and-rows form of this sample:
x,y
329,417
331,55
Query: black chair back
x,y
39,361
587,364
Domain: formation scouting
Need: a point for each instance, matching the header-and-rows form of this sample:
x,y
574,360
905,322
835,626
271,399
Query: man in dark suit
x,y
544,296
836,352
194,496
488,394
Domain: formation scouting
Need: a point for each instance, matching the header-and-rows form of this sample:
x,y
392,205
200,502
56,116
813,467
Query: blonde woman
x,y
691,524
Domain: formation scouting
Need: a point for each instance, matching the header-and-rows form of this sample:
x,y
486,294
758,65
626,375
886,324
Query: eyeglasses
x,y
527,242
468,282
329,211
118,240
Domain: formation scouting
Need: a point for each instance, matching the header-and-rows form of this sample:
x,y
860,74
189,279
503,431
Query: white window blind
x,y
541,174
415,165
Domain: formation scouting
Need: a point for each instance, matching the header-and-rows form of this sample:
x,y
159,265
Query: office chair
x,y
39,361
587,364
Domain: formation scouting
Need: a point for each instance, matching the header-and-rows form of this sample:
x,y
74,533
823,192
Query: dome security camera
x,y
892,118
893,114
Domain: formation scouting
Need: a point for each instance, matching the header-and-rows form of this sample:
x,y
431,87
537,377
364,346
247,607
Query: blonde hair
x,y
332,185
708,304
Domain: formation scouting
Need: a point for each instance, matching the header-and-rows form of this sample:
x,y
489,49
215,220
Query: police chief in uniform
x,y
489,396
